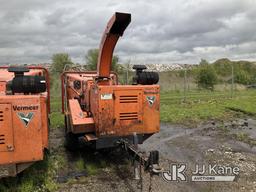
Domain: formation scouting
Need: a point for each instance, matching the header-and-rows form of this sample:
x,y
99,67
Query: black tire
x,y
67,124
71,140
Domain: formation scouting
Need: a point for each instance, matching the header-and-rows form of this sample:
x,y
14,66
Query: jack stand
x,y
149,162
137,175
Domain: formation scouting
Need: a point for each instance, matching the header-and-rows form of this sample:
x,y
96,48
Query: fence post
x,y
185,83
232,80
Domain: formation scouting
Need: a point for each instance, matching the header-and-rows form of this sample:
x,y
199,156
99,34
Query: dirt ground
x,y
230,143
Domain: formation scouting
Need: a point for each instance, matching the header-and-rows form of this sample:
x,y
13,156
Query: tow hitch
x,y
150,162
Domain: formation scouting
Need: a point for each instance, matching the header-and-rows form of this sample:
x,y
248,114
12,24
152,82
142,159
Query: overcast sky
x,y
161,31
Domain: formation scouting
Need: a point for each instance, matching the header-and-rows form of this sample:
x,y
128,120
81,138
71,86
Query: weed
x,y
39,177
92,168
56,120
80,166
244,137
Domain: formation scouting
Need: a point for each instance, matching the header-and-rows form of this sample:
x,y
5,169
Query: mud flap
x,y
7,170
11,170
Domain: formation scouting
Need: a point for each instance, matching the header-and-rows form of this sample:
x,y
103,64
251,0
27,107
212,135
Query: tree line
x,y
224,71
206,74
62,61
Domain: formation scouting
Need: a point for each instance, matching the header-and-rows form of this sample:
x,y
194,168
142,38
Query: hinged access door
x,y
128,106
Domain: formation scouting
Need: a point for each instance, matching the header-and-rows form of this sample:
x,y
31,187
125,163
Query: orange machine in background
x,y
100,111
24,109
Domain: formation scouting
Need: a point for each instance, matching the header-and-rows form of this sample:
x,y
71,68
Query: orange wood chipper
x,y
103,113
24,109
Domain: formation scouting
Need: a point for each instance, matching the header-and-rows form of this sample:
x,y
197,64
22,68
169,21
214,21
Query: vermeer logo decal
x,y
24,108
151,100
25,118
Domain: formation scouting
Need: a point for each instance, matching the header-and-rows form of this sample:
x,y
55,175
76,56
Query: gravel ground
x,y
223,143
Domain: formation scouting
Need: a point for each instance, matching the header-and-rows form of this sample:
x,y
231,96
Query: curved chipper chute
x,y
115,28
101,112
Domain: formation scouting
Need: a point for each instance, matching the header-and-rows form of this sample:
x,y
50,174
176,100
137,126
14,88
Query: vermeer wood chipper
x,y
104,113
24,109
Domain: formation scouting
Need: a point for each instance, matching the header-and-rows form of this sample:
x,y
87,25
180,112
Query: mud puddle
x,y
222,143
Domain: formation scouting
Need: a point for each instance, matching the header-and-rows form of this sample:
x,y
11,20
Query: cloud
x,y
164,31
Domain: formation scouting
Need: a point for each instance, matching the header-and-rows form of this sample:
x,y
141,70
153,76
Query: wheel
x,y
71,140
67,124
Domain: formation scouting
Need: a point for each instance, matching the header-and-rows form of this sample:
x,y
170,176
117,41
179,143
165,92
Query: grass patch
x,y
201,106
244,137
92,168
56,116
80,166
57,120
39,177
224,130
94,163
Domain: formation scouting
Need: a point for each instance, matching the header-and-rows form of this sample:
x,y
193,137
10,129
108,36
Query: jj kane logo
x,y
177,172
25,118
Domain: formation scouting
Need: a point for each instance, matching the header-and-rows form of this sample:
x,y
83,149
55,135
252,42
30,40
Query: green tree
x,y
223,67
91,59
59,61
203,62
242,77
206,77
